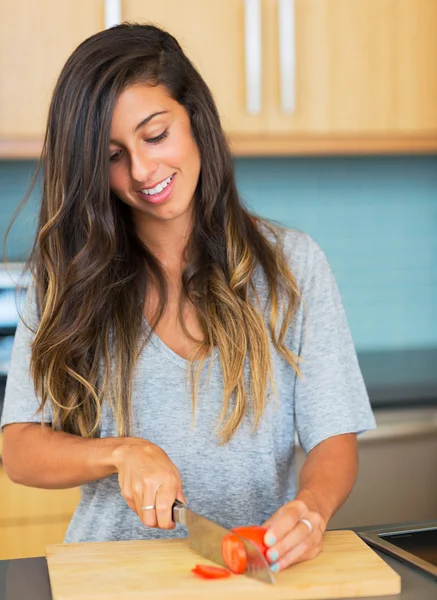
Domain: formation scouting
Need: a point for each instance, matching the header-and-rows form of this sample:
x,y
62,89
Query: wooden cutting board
x,y
347,568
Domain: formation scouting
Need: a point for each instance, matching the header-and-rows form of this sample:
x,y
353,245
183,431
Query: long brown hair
x,y
92,271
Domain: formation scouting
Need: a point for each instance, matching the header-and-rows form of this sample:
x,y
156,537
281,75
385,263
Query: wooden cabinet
x,y
36,38
30,518
29,539
363,68
364,77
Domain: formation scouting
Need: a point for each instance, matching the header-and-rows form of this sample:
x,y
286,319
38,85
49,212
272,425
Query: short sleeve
x,y
331,397
21,403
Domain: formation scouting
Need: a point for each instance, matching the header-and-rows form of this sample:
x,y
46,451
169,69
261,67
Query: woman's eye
x,y
154,140
114,157
158,138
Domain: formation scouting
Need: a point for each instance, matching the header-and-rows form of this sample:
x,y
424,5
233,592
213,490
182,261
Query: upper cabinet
x,y
36,38
288,76
351,67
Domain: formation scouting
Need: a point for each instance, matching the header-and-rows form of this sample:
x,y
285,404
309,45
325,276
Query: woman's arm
x,y
326,479
40,457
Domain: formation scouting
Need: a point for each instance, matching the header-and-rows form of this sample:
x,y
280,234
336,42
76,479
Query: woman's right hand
x,y
147,477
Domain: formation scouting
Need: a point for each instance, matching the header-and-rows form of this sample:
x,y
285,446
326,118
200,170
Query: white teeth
x,y
158,188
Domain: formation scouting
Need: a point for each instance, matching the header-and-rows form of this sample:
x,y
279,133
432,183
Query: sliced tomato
x,y
210,572
253,533
234,554
233,550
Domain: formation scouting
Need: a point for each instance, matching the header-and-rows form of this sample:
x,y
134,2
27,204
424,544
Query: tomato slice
x,y
233,550
210,572
234,554
253,533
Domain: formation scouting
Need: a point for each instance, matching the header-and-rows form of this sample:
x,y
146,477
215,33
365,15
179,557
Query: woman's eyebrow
x,y
149,118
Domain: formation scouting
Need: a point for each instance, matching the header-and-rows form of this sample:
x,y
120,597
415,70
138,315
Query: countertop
x,y
27,579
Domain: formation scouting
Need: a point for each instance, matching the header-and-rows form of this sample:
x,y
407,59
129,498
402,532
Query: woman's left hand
x,y
294,534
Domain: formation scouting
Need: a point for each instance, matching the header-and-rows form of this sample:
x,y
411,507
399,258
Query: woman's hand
x,y
148,478
295,533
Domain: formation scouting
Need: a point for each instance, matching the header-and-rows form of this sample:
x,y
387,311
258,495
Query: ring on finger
x,y
307,523
148,507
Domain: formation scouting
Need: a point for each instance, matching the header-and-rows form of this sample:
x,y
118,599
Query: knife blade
x,y
206,536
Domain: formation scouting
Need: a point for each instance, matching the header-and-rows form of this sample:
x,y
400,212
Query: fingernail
x,y
273,555
274,568
270,539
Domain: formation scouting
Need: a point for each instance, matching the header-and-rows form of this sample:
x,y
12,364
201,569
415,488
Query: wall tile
x,y
15,177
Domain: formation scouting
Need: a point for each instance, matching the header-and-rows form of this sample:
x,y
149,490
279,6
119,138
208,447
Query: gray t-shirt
x,y
248,479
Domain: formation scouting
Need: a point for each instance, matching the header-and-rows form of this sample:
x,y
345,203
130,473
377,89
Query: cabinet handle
x,y
112,13
287,54
252,17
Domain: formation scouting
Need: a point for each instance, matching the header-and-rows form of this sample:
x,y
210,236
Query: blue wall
x,y
15,176
375,218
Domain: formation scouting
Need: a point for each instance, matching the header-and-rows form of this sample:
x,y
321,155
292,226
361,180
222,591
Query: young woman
x,y
172,341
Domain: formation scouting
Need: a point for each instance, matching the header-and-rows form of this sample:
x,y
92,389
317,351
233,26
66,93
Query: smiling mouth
x,y
160,193
157,188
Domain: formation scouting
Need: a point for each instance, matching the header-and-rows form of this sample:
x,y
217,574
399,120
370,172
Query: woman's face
x,y
154,159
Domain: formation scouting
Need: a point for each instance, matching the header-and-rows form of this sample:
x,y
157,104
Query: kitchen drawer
x,y
29,538
21,502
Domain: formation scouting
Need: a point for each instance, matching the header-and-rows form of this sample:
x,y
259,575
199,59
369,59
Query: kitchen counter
x,y
27,579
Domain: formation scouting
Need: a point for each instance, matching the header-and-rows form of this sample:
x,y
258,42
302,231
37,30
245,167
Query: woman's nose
x,y
142,167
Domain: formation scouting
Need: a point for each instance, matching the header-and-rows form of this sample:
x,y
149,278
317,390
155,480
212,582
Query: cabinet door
x,y
30,518
362,67
212,33
30,538
20,503
36,38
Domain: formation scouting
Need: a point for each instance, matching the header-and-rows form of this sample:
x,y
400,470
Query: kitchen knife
x,y
206,536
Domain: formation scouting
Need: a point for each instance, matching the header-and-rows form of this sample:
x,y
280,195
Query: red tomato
x,y
234,554
233,550
255,534
210,572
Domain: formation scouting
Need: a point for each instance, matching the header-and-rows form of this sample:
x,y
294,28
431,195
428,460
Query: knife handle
x,y
179,512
